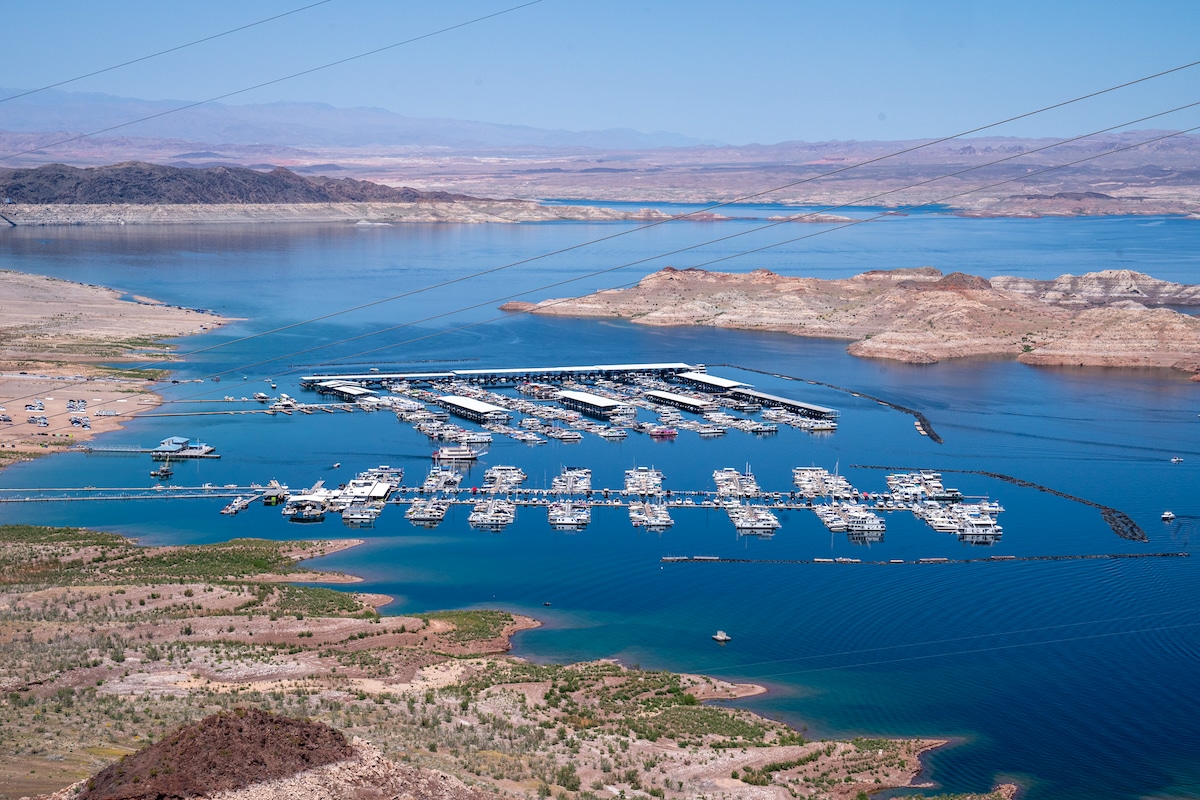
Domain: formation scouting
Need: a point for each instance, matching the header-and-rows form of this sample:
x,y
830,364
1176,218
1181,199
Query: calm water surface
x,y
1075,678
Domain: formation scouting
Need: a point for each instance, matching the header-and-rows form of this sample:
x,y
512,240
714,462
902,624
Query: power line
x,y
174,49
1013,646
952,640
273,81
705,209
850,224
735,235
595,273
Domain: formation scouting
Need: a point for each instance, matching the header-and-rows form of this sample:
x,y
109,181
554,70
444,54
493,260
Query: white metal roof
x,y
346,387
576,368
471,404
784,401
591,399
683,399
711,380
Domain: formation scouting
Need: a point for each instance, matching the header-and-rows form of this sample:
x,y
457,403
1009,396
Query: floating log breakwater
x,y
1120,522
926,425
920,561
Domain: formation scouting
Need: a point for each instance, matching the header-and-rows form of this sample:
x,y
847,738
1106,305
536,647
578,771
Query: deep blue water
x,y
1075,678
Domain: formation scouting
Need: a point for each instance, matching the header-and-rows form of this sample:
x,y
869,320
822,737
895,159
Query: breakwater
x,y
1120,522
920,561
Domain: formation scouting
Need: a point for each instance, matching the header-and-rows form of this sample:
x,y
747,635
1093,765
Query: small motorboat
x,y
722,637
1167,516
1176,460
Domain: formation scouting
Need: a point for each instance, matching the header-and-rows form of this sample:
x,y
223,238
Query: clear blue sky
x,y
737,71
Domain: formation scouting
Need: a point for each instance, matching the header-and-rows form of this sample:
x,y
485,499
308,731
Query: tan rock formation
x,y
923,316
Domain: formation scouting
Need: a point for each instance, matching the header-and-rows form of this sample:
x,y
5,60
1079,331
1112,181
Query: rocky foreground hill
x,y
250,754
1115,318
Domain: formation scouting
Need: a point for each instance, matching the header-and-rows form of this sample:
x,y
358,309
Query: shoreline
x,y
58,331
194,623
1113,318
368,214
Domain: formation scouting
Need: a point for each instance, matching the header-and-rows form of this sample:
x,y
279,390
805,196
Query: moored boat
x,y
458,452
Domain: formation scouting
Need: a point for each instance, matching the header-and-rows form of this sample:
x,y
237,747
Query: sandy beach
x,y
52,334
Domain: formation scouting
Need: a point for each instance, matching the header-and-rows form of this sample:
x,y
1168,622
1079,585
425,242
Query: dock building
x,y
344,390
774,401
509,377
179,447
692,404
591,404
474,410
708,383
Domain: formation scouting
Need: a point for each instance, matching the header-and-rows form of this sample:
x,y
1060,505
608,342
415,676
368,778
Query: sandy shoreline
x,y
55,332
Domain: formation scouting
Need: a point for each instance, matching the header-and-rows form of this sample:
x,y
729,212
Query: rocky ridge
x,y
922,316
1100,288
139,183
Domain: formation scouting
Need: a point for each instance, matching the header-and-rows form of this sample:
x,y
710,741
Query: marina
x,y
570,497
1104,436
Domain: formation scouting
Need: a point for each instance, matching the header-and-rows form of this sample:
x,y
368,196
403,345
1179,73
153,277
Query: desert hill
x,y
1109,318
137,182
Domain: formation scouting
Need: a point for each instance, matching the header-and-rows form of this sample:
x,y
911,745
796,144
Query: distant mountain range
x,y
145,184
299,125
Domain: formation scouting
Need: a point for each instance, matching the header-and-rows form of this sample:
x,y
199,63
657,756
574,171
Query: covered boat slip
x,y
496,377
692,404
342,389
474,410
591,404
695,377
708,383
795,406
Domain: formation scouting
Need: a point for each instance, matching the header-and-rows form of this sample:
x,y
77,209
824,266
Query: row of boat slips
x,y
570,498
922,492
579,390
731,483
511,377
610,402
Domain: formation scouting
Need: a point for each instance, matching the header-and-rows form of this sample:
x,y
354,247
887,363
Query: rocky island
x,y
1114,318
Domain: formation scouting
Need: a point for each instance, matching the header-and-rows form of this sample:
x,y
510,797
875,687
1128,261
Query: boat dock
x,y
918,561
174,448
569,499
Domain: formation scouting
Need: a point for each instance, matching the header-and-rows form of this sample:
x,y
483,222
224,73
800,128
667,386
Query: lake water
x,y
1074,678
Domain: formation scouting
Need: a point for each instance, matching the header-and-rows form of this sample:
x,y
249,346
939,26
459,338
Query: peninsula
x,y
108,647
1114,318
55,333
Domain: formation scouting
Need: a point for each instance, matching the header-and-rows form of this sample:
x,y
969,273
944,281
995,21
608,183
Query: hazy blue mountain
x,y
298,124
